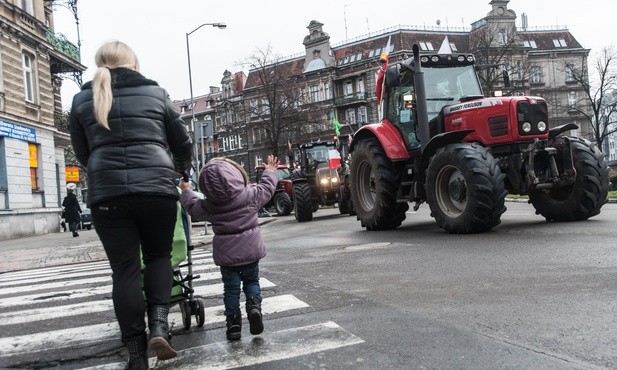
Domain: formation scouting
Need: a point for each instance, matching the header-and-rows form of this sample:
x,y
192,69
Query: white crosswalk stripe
x,y
58,294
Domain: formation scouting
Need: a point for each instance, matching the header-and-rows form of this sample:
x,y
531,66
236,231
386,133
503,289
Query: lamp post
x,y
193,120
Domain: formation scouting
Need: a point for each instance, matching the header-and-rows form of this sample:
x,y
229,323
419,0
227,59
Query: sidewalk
x,y
62,248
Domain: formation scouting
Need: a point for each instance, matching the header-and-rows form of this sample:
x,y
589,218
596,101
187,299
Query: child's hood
x,y
221,181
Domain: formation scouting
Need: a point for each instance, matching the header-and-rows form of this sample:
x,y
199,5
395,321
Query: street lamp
x,y
193,120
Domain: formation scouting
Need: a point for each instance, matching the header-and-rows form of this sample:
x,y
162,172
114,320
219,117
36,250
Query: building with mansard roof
x,y
330,80
35,60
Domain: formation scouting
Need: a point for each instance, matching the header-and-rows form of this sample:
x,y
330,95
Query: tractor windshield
x,y
283,173
316,155
447,85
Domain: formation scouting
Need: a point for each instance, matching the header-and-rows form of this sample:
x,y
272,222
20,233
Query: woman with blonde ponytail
x,y
127,133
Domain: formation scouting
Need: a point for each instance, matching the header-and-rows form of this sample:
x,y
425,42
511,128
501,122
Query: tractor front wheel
x,y
374,182
283,204
465,189
302,202
582,199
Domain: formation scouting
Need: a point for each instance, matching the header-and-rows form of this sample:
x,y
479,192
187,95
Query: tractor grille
x,y
498,126
532,114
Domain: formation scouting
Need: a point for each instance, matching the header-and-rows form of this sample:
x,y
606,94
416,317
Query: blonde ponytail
x,y
102,95
113,54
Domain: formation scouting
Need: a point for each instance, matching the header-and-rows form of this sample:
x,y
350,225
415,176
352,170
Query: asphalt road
x,y
527,295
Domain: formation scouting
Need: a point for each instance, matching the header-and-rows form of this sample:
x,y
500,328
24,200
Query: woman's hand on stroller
x,y
185,184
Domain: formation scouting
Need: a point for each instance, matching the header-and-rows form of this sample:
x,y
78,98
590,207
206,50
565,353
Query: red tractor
x,y
442,142
282,201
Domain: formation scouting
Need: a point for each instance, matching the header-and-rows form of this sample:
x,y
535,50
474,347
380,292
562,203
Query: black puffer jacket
x,y
134,156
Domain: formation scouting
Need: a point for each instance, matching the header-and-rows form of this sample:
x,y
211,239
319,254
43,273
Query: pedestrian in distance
x,y
126,131
72,210
231,205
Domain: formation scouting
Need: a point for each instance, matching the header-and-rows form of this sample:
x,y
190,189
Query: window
x,y
425,45
502,37
265,108
570,77
519,70
560,43
572,100
361,115
33,155
258,159
360,85
326,91
28,77
26,5
350,116
253,107
358,56
536,74
530,44
348,88
314,93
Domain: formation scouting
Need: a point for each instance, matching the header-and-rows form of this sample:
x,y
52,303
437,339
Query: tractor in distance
x,y
320,180
442,142
283,195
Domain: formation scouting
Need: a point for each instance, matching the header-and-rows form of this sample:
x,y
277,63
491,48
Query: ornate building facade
x,y
34,60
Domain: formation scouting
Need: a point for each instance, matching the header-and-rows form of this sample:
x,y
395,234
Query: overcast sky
x,y
157,29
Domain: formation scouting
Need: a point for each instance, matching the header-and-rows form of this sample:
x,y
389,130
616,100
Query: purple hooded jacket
x,y
232,208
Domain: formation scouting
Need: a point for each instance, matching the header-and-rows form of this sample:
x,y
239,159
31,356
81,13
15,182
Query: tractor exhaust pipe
x,y
421,110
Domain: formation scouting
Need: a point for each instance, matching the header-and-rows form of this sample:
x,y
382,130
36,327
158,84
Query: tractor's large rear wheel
x,y
374,182
282,203
582,199
465,189
302,202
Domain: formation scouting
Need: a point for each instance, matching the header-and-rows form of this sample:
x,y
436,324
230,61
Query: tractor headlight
x,y
324,181
542,126
526,126
334,179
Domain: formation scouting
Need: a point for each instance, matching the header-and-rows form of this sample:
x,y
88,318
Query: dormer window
x,y
560,43
426,45
530,44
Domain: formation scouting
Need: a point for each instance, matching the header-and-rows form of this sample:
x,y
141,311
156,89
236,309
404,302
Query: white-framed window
x,y
28,66
348,88
502,37
360,85
265,108
253,107
350,116
326,91
519,70
26,5
536,74
258,159
362,115
570,77
572,100
314,93
560,43
426,45
530,44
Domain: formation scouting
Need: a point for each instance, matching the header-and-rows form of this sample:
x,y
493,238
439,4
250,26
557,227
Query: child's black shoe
x,y
253,311
234,327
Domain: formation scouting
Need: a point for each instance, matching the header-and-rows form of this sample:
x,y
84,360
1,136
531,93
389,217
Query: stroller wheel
x,y
200,314
185,309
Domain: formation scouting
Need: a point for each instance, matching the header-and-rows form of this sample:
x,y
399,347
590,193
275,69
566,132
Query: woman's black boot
x,y
159,332
138,352
253,311
234,326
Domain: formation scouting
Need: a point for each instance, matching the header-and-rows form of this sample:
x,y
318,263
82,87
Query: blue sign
x,y
18,132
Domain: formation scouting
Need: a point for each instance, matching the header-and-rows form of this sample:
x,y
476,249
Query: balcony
x,y
355,98
61,44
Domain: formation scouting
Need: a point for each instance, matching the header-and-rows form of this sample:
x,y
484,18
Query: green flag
x,y
336,124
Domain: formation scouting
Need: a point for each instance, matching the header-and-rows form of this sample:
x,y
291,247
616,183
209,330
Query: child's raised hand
x,y
184,184
272,163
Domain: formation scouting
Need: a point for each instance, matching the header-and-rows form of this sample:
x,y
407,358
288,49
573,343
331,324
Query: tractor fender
x,y
436,142
555,131
389,137
299,180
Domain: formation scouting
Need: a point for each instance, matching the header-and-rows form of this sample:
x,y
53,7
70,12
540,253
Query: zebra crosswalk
x,y
46,302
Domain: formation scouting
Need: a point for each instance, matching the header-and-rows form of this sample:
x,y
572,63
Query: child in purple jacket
x,y
231,205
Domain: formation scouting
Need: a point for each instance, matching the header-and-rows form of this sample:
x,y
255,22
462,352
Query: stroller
x,y
182,288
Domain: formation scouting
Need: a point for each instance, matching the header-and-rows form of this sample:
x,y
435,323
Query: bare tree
x,y
600,94
500,59
277,103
